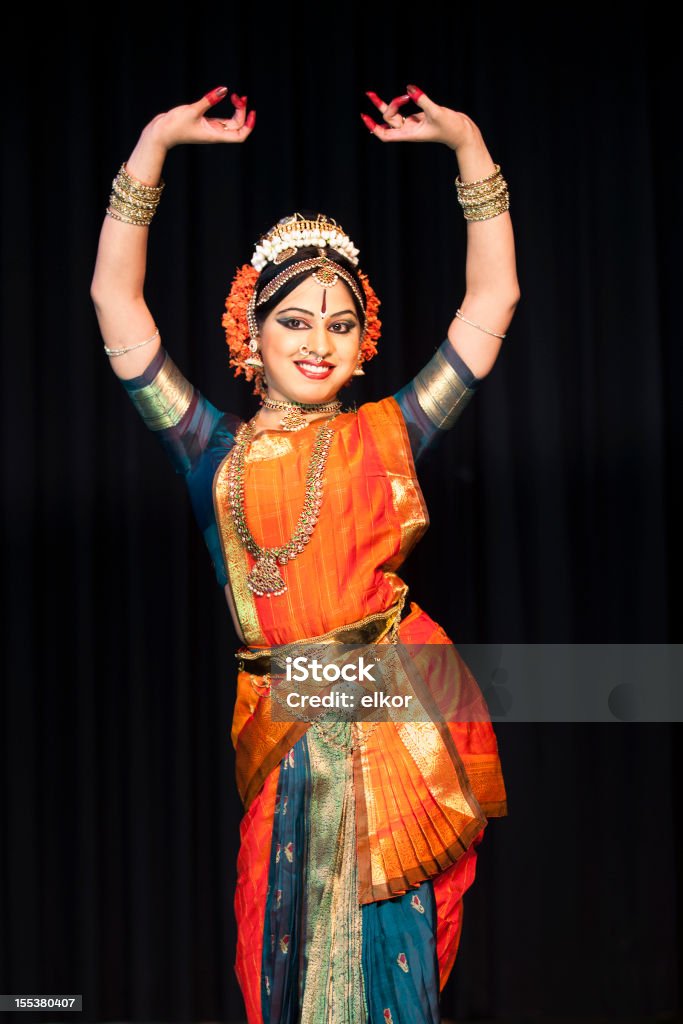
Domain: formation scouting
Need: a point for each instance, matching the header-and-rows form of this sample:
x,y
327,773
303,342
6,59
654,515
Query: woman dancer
x,y
358,839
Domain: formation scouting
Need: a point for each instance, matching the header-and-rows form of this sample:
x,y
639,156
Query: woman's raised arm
x,y
433,401
167,402
492,289
117,288
118,281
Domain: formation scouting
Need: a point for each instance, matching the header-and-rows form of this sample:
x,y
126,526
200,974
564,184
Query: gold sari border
x,y
414,877
236,558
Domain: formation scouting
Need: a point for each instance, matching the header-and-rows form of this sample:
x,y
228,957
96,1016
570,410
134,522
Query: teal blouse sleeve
x,y
194,434
182,419
435,399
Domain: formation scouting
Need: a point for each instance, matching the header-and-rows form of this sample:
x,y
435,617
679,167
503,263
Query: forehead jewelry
x,y
325,272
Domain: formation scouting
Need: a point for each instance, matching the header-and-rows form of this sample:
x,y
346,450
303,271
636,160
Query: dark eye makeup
x,y
287,321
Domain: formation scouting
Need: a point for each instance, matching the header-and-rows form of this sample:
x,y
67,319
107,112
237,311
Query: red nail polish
x,y
369,123
400,100
216,94
375,98
237,100
414,91
251,119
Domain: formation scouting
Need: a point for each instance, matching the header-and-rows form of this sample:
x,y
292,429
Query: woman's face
x,y
297,321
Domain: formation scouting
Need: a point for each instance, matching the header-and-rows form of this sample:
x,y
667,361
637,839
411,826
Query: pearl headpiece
x,y
296,232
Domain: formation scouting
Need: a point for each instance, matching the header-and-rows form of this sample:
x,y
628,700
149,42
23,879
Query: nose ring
x,y
305,352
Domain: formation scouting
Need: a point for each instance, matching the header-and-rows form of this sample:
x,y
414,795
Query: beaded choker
x,y
294,418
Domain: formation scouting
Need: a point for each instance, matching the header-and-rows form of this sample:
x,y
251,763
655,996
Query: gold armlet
x,y
441,392
164,401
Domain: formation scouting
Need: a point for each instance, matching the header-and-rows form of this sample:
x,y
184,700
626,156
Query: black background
x,y
555,503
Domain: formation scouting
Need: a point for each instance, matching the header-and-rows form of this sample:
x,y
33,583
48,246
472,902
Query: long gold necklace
x,y
265,579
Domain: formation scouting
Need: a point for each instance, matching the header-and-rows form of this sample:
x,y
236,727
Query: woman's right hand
x,y
187,123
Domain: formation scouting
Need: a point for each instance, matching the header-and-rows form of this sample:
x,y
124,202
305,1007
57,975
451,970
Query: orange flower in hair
x,y
234,320
373,325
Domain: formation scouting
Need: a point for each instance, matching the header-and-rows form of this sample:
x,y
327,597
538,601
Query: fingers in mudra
x,y
239,125
247,122
396,123
240,117
412,128
390,111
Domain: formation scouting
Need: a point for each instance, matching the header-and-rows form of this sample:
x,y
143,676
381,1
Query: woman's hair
x,y
271,270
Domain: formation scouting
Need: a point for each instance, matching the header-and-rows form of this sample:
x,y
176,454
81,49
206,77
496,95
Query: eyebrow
x,y
298,309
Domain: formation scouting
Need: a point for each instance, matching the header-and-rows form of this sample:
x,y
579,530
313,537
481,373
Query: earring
x,y
359,371
254,359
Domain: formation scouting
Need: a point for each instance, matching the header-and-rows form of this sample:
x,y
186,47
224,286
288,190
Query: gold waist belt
x,y
371,629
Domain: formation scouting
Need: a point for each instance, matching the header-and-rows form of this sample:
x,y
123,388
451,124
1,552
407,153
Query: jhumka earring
x,y
255,359
359,371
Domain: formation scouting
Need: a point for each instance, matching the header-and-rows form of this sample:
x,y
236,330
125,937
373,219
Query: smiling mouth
x,y
321,368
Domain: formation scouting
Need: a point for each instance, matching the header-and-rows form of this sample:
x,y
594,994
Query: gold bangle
x,y
130,211
135,185
123,203
485,211
480,181
485,198
132,201
126,216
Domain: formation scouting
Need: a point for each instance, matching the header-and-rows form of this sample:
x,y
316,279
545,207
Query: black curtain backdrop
x,y
554,503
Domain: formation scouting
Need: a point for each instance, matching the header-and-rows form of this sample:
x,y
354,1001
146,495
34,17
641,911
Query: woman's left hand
x,y
433,124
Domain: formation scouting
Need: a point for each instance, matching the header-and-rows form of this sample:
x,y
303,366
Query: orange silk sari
x,y
424,790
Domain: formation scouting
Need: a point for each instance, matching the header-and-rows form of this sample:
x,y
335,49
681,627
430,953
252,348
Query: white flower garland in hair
x,y
292,233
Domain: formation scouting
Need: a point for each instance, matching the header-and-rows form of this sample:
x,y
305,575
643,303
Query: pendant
x,y
265,579
326,275
293,419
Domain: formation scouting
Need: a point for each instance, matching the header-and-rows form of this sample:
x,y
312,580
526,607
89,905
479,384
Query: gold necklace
x,y
265,579
294,418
